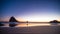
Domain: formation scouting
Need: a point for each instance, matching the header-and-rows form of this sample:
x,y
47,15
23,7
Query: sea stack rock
x,y
54,22
12,19
12,22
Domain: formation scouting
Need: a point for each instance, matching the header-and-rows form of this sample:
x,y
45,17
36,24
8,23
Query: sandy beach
x,y
31,30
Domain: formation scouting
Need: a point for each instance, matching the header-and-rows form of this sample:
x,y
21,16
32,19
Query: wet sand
x,y
31,30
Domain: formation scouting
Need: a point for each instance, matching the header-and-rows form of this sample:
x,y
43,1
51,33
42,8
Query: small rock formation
x,y
54,22
1,24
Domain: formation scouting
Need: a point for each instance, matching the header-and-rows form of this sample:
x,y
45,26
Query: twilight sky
x,y
31,10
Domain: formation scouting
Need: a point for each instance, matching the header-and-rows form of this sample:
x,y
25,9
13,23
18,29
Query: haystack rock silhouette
x,y
13,22
12,19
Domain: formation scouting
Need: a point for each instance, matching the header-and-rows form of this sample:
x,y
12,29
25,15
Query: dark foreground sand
x,y
30,30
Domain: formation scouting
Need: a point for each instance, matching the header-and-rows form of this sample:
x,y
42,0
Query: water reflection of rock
x,y
54,22
12,21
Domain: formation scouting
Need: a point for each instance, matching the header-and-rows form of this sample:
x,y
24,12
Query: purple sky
x,y
31,10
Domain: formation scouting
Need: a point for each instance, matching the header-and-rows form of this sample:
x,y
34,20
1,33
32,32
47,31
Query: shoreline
x,y
31,30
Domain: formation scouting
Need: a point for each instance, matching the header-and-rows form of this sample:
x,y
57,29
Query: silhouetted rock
x,y
54,22
12,19
1,24
13,22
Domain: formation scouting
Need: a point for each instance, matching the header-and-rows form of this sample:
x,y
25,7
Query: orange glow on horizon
x,y
32,24
38,19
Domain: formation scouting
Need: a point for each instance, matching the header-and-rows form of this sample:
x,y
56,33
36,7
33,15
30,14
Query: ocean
x,y
31,28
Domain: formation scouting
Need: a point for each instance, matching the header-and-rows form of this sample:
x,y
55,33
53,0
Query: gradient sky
x,y
31,10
